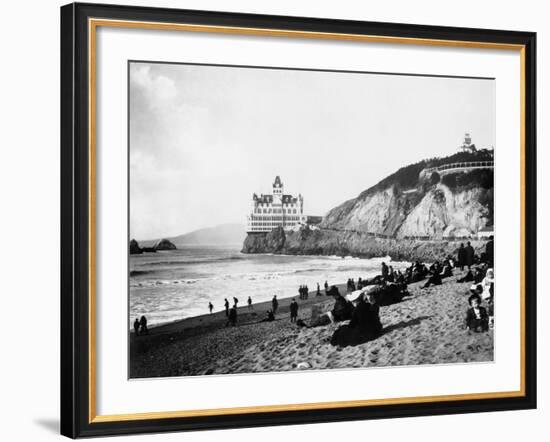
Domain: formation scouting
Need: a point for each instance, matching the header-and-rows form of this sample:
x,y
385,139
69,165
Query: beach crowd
x,y
359,308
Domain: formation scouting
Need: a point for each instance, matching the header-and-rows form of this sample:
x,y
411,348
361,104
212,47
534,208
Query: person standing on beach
x,y
232,320
461,256
391,275
226,307
326,287
249,302
143,326
293,310
235,302
136,327
318,290
469,255
210,307
385,270
274,304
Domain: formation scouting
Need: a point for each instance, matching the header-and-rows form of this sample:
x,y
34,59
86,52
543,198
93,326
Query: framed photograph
x,y
273,220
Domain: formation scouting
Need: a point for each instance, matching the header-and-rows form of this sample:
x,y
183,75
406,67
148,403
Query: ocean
x,y
170,285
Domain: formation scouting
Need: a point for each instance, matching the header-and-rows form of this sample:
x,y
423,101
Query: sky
x,y
203,139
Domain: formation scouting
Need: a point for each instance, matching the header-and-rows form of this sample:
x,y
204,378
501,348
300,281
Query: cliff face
x,y
408,203
345,243
436,210
272,242
443,213
377,212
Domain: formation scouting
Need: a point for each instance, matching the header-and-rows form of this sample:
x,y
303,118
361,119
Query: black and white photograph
x,y
285,219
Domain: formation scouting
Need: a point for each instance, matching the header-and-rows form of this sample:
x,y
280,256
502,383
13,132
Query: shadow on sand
x,y
403,324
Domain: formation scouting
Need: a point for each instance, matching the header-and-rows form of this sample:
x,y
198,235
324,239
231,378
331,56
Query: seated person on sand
x,y
486,284
451,261
387,294
477,319
341,310
416,272
475,274
468,277
377,280
365,322
270,317
447,269
399,277
435,278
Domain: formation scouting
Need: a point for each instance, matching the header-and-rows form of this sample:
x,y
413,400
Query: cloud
x,y
203,138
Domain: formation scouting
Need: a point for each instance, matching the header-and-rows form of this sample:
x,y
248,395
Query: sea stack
x,y
134,248
165,244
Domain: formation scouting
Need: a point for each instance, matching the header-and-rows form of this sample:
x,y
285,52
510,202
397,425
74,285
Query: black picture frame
x,y
76,403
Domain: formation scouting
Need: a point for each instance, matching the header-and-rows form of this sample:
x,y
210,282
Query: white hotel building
x,y
278,209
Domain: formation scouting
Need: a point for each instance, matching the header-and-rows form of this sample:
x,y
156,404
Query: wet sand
x,y
426,327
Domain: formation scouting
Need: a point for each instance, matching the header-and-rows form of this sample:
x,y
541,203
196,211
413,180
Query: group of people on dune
x,y
361,305
480,314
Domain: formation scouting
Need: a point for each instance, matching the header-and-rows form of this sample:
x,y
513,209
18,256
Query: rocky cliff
x,y
346,243
409,203
437,211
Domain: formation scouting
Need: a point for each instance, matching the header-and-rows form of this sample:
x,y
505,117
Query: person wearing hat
x,y
477,319
341,311
469,255
365,322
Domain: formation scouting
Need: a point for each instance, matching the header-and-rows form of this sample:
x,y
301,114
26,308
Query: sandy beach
x,y
426,327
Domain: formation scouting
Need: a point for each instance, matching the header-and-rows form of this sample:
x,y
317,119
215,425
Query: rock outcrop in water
x,y
397,216
135,249
341,243
271,242
164,244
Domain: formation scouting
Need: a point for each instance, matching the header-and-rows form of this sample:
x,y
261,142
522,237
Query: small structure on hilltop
x,y
467,145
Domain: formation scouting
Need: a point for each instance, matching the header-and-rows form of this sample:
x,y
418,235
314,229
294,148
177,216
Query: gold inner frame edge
x,y
93,24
